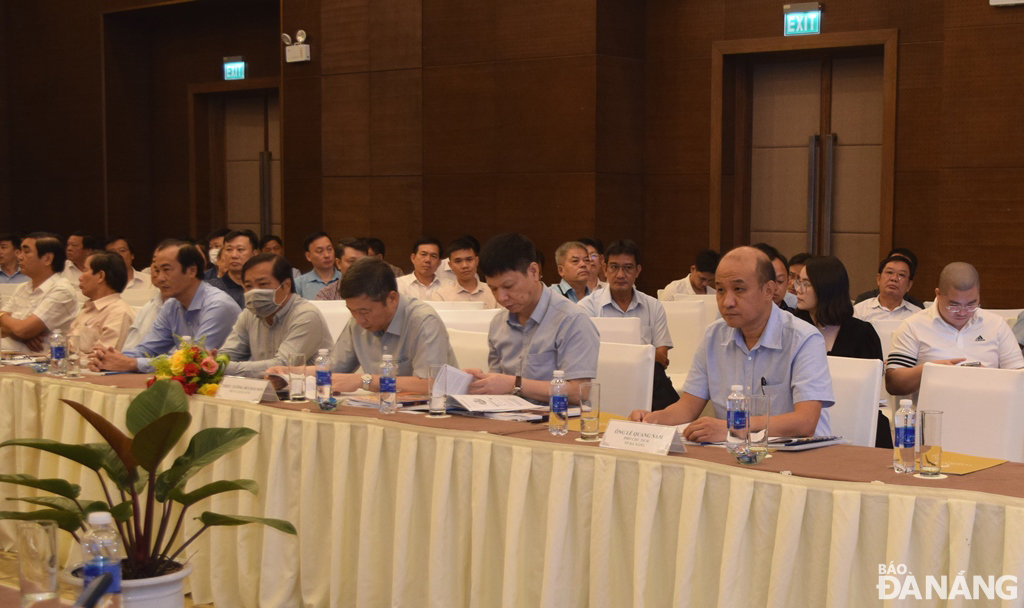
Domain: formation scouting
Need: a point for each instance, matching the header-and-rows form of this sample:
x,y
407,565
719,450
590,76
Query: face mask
x,y
214,254
261,302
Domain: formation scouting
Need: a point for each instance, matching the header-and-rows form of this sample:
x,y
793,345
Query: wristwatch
x,y
517,389
367,378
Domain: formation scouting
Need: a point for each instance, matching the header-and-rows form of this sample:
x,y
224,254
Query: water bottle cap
x,y
906,402
99,518
559,373
386,357
323,351
186,339
736,388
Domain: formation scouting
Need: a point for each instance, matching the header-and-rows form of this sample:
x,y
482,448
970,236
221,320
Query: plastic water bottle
x,y
388,399
58,353
903,446
736,420
102,552
558,417
323,380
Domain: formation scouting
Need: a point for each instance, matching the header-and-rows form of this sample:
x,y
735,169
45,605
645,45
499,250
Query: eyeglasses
x,y
900,276
801,284
615,268
957,308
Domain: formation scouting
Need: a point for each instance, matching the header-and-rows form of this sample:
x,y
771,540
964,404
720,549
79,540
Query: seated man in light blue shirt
x,y
191,308
10,271
573,263
540,333
320,253
757,345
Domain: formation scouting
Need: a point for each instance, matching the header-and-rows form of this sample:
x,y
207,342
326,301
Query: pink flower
x,y
209,365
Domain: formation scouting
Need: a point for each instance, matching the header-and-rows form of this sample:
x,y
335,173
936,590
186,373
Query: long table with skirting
x,y
405,511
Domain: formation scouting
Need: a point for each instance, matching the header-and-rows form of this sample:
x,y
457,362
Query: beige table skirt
x,y
395,514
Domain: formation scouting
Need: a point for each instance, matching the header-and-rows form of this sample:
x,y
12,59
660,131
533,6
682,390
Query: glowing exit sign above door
x,y
802,19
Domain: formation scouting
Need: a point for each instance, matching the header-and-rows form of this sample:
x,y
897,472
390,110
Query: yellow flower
x,y
178,364
209,390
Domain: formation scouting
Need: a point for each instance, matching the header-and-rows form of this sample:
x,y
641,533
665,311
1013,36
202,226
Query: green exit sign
x,y
234,68
802,19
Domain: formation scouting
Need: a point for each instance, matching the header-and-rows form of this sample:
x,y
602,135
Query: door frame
x,y
739,205
205,196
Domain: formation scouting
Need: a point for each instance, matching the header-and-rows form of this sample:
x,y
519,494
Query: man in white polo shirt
x,y
895,278
954,330
45,303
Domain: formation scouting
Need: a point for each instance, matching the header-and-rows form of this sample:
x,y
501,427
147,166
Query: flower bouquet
x,y
195,368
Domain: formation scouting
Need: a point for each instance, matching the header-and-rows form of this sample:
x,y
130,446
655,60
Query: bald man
x,y
952,331
759,346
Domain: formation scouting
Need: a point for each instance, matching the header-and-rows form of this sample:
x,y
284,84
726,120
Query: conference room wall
x,y
959,191
5,147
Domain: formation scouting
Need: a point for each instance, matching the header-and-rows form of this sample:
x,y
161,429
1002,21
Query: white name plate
x,y
638,437
252,390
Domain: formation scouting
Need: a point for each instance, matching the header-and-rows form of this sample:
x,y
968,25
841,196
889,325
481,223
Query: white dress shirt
x,y
410,287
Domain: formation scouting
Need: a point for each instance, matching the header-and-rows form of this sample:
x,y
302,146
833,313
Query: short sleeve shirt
x,y
253,346
308,284
788,362
558,335
54,302
925,336
653,322
416,338
872,310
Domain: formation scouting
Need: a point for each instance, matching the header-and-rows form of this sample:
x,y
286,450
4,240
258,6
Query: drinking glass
x,y
297,377
929,446
74,357
758,406
37,561
590,411
437,388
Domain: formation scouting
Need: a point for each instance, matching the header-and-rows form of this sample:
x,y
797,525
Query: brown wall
x,y
959,150
5,146
556,118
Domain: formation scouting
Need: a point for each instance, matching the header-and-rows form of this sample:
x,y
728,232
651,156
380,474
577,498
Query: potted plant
x,y
149,504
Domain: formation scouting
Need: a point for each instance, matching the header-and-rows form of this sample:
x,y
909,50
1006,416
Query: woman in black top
x,y
823,300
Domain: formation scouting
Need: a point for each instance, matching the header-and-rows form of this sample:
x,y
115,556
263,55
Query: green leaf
x,y
210,489
85,455
164,397
67,521
54,502
114,468
216,519
205,447
122,512
54,486
156,440
120,442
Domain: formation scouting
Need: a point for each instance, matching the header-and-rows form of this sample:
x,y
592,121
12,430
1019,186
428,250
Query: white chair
x,y
454,305
139,297
336,313
855,384
470,348
710,304
624,330
470,320
885,328
626,374
983,409
1010,314
687,322
663,296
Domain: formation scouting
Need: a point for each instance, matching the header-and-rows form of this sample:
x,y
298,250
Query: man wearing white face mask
x,y
275,323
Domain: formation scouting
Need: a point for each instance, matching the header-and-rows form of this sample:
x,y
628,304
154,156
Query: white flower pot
x,y
167,591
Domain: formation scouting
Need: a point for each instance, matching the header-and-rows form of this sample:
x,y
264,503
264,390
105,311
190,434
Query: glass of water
x,y
37,561
297,377
758,406
437,388
929,446
590,411
74,357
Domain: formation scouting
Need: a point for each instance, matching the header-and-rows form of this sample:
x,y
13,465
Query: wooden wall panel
x,y
544,28
454,205
396,122
919,108
5,144
677,115
620,28
675,225
459,121
346,124
619,198
346,35
667,20
396,34
458,31
387,207
620,115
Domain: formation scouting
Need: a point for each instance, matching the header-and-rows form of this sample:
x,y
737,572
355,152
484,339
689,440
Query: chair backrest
x,y
469,320
885,329
710,304
470,348
624,330
1010,314
335,313
983,409
855,384
663,296
626,374
687,321
455,305
139,297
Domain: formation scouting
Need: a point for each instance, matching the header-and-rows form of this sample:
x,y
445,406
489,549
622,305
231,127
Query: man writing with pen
x,y
757,345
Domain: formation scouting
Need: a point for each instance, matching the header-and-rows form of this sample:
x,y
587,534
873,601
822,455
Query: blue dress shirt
x,y
308,284
565,290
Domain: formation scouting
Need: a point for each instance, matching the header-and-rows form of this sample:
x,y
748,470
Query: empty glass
x,y
437,388
37,561
74,355
929,446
